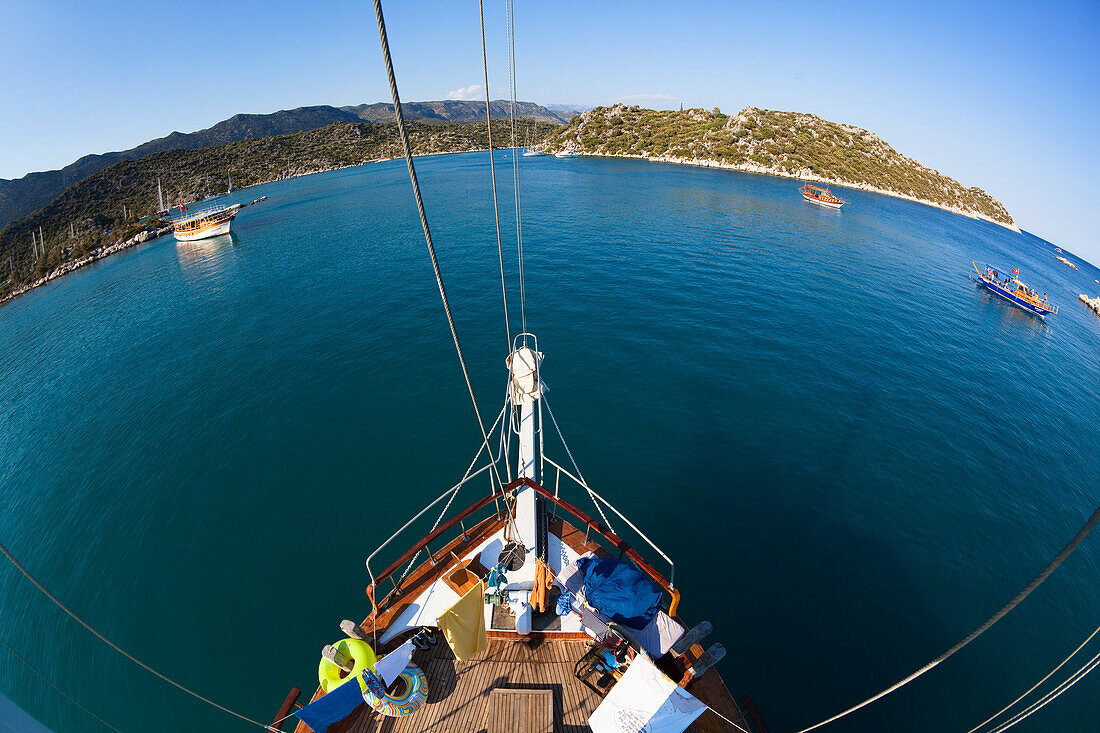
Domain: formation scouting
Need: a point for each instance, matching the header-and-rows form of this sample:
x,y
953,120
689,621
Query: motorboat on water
x,y
1007,285
820,196
566,154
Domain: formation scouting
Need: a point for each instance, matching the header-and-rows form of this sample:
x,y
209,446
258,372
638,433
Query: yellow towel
x,y
463,624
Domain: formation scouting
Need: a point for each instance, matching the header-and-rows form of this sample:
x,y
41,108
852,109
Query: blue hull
x,y
1018,302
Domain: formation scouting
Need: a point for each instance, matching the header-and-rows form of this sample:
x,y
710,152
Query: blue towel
x,y
331,708
619,591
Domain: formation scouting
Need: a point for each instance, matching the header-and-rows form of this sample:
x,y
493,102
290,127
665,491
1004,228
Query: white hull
x,y
214,231
823,203
565,155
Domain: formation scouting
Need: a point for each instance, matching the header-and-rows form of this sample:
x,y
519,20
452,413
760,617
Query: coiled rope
x,y
116,647
1021,697
47,680
407,147
493,173
1066,552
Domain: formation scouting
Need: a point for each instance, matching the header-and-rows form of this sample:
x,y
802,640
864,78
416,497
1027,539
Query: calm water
x,y
855,456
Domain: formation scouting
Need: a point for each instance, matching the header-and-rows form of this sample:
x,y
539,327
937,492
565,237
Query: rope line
x,y
46,679
723,717
116,647
575,466
1066,552
1021,697
424,221
1051,696
450,501
510,6
493,172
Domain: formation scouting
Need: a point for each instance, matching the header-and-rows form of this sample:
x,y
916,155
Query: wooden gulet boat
x,y
821,196
522,524
203,224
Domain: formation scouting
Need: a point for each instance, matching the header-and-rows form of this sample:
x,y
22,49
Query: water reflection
x,y
207,262
1012,320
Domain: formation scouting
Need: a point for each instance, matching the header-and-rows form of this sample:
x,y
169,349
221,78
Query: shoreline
x,y
764,170
147,236
141,237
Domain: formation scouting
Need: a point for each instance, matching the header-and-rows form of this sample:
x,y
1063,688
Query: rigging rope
x,y
515,160
1051,696
1081,534
575,466
493,172
116,647
46,679
1021,697
447,508
407,147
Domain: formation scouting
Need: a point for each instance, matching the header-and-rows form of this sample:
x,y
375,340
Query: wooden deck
x,y
459,692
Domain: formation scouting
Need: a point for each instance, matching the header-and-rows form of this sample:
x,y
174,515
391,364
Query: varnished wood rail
x,y
589,523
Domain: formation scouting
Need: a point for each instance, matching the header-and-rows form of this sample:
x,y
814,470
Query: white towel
x,y
391,665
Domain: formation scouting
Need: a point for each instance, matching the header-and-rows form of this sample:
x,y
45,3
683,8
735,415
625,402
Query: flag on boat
x,y
645,701
1015,270
463,624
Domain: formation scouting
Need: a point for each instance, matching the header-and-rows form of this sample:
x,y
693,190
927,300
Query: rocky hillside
x,y
25,195
779,143
105,207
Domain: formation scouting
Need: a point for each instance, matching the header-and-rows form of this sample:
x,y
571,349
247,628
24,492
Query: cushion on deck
x,y
659,635
570,576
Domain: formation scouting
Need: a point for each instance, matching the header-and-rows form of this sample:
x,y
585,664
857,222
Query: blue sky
x,y
1001,95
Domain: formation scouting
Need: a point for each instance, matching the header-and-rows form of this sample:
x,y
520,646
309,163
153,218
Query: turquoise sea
x,y
854,456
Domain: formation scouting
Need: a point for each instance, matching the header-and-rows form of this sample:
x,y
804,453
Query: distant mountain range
x,y
23,196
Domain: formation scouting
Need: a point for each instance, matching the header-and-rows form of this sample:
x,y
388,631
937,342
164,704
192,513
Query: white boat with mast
x,y
204,223
522,587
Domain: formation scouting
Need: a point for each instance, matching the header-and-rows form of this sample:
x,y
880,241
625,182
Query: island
x,y
791,144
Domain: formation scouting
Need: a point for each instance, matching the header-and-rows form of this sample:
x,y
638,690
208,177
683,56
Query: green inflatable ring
x,y
398,703
362,656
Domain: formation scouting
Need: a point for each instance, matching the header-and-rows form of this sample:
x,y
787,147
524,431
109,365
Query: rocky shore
x,y
1093,303
804,175
97,254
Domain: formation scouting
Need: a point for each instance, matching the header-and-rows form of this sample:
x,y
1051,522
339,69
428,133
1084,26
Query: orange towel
x,y
544,580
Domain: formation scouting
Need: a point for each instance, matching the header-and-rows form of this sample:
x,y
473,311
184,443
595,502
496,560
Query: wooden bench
x,y
521,711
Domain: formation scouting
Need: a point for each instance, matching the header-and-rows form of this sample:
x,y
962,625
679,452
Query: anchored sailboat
x,y
530,593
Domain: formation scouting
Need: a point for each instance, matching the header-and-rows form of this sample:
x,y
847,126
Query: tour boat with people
x,y
1007,285
205,223
819,195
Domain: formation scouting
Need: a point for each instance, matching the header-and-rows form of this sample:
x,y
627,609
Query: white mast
x,y
525,389
230,182
160,195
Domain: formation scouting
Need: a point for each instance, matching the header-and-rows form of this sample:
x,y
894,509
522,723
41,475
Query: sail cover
x,y
645,701
619,591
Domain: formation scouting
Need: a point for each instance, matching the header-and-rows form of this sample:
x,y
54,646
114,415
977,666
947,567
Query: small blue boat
x,y
1008,286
